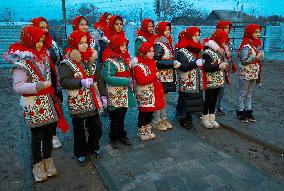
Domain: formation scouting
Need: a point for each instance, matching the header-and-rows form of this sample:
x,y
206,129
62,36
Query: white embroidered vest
x,y
145,94
81,100
117,95
214,79
166,75
190,81
250,71
38,110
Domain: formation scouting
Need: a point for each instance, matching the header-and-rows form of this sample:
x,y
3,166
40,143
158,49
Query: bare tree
x,y
8,16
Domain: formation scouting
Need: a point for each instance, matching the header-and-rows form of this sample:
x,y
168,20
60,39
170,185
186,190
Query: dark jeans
x,y
117,117
41,142
82,146
210,100
144,118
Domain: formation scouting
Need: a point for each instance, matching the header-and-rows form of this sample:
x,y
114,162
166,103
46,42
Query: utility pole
x,y
64,12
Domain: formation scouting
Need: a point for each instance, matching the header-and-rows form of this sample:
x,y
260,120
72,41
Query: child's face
x,y
118,25
227,29
39,44
150,27
83,25
196,37
167,32
107,19
83,44
256,34
123,48
150,54
43,26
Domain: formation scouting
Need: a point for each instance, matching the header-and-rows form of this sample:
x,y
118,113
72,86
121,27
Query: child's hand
x,y
223,66
200,62
104,101
260,55
75,55
87,82
94,56
42,85
176,64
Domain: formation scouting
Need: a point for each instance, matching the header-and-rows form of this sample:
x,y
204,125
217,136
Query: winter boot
x,y
212,121
249,115
160,126
242,116
167,124
205,122
39,172
49,167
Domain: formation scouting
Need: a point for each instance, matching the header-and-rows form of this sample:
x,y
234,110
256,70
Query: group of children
x,y
98,73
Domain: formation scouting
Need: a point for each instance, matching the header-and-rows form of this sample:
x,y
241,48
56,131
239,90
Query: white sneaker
x,y
150,132
55,142
143,134
39,172
212,121
205,122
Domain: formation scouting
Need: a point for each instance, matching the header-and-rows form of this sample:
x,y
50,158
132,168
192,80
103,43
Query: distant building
x,y
233,16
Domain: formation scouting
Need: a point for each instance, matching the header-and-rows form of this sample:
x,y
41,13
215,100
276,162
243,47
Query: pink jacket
x,y
20,84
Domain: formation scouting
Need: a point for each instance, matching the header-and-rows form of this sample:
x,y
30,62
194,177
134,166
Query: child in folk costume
x,y
42,112
119,86
85,94
103,22
215,64
149,90
191,75
56,56
145,33
225,26
250,54
166,64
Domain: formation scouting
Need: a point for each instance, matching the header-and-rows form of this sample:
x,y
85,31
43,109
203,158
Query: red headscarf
x,y
109,31
73,41
102,23
186,41
30,35
222,24
48,38
144,48
113,49
76,21
160,29
248,39
144,29
220,37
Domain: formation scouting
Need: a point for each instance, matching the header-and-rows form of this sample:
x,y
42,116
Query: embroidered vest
x,y
214,79
145,94
166,75
117,95
81,100
190,81
38,110
250,71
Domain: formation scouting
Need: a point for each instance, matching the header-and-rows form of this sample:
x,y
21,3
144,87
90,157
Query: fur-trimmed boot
x,y
143,134
149,130
160,126
49,167
212,121
205,122
167,123
39,172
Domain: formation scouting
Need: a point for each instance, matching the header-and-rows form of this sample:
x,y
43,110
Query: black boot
x,y
242,116
249,115
124,141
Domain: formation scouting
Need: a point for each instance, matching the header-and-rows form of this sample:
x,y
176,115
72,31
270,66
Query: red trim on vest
x,y
92,89
61,123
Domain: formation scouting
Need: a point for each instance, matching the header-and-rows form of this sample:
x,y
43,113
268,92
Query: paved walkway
x,y
176,160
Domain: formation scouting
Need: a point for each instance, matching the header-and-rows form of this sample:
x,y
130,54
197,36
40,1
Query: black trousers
x,y
144,118
211,96
117,117
83,146
41,142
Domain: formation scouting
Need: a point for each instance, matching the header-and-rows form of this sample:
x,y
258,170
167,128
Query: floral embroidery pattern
x,y
166,75
118,96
